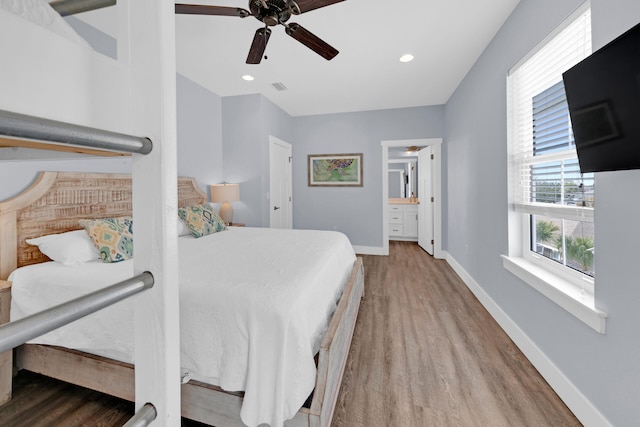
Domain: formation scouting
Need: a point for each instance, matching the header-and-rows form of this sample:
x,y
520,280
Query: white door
x,y
280,189
425,196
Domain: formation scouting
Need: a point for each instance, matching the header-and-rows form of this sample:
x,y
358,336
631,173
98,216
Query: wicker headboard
x,y
57,200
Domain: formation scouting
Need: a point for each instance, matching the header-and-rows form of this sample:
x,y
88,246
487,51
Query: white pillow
x,y
182,228
70,248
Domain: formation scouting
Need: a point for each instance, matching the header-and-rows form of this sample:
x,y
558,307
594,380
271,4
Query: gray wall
x,y
248,121
605,368
199,133
355,211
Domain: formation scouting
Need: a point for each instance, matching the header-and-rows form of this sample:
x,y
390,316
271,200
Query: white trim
x,y
436,144
155,206
578,301
278,141
369,250
572,213
529,159
577,402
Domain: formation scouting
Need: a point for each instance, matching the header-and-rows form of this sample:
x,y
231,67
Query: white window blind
x,y
545,176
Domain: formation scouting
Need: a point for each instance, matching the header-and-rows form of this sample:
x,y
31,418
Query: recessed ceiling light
x,y
406,58
247,77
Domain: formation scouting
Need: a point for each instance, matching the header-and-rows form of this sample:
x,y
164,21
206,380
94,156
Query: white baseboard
x,y
577,402
368,250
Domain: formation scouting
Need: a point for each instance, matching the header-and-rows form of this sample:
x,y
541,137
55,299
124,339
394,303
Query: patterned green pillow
x,y
201,220
112,236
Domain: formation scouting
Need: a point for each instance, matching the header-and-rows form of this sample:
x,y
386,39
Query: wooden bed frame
x,y
53,204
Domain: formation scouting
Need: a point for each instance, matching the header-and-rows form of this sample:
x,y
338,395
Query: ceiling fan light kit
x,y
271,13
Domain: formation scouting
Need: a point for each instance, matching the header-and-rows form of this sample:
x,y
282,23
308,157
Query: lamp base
x,y
226,213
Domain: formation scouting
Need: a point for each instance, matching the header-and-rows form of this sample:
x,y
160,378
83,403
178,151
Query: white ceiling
x,y
445,36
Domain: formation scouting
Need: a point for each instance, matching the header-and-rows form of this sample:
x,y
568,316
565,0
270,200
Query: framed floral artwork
x,y
335,170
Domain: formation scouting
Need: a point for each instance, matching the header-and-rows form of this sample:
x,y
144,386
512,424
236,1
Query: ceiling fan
x,y
271,13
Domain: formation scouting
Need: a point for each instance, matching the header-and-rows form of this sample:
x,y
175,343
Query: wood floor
x,y
425,353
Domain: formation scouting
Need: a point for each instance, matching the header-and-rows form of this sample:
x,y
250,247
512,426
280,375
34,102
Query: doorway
x,y
280,184
434,199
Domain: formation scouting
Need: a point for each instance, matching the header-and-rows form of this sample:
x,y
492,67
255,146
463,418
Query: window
x,y
564,239
552,203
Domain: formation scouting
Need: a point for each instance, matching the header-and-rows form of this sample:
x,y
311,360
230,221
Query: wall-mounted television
x,y
603,94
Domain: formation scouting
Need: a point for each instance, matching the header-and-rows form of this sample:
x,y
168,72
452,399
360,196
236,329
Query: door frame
x,y
436,146
272,142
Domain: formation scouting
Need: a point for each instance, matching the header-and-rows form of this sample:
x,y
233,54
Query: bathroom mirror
x,y
403,178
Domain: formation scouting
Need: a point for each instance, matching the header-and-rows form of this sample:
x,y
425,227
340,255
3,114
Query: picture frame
x,y
334,170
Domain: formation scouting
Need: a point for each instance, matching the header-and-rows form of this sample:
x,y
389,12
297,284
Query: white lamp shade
x,y
221,193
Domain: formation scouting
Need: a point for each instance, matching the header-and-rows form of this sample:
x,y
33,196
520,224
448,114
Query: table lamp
x,y
225,193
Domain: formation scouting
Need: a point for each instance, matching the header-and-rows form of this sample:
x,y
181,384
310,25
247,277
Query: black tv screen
x,y
603,94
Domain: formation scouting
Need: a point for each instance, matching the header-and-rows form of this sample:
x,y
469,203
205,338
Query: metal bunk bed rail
x,y
143,417
18,332
71,7
60,133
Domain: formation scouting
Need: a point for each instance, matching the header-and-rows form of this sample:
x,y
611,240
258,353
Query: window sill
x,y
564,293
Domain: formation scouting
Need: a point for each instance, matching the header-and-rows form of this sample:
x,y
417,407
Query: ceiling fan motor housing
x,y
270,12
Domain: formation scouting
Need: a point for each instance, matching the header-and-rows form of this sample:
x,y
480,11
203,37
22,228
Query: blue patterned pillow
x,y
112,236
201,220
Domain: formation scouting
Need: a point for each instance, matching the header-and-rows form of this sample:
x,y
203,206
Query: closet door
x,y
280,183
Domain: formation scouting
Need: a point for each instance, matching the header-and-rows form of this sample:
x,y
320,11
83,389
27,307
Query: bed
x,y
55,202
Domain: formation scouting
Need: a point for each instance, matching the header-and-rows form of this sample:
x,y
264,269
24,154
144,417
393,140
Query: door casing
x,y
436,148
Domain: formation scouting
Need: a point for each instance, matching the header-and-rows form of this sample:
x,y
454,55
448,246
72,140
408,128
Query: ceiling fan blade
x,y
307,5
258,45
198,9
311,41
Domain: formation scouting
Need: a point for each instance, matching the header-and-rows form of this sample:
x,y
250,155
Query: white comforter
x,y
254,305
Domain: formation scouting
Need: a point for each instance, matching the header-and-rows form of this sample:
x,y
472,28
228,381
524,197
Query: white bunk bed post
x,y
153,103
